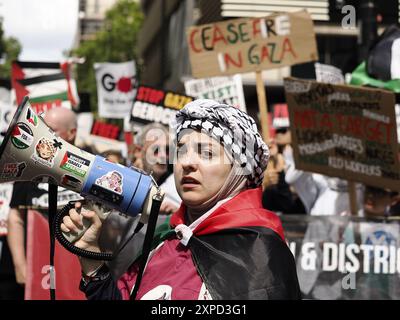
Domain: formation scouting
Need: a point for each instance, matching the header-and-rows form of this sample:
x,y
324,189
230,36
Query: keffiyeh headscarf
x,y
234,129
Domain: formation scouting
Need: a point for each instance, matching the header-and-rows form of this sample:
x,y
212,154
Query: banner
x,y
156,105
116,88
345,257
246,45
67,267
344,131
228,90
5,197
48,84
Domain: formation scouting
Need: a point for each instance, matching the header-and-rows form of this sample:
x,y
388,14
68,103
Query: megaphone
x,y
31,151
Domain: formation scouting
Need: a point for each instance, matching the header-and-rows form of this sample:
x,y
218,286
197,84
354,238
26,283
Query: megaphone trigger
x,y
86,205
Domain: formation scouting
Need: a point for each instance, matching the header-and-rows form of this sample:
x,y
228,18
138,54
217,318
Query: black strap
x,y
148,239
53,189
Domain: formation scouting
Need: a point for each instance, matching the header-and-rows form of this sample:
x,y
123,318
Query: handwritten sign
x,y
155,105
228,90
344,131
245,45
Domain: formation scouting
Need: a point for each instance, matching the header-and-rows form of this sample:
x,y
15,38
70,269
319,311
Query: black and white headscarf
x,y
231,127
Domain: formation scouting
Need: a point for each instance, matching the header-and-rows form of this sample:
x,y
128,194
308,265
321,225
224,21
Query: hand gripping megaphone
x,y
31,151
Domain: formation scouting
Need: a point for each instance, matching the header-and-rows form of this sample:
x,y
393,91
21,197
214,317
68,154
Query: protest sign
x,y
329,74
345,257
156,105
48,84
280,116
228,90
344,131
245,45
107,130
116,88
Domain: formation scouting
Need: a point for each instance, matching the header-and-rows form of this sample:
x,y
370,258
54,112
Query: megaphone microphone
x,y
31,151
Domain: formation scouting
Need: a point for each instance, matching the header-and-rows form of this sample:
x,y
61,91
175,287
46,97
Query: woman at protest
x,y
220,243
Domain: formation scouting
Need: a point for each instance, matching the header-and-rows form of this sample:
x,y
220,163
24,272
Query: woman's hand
x,y
73,223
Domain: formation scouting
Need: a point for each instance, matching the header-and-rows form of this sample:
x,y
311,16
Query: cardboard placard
x,y
245,45
156,105
344,131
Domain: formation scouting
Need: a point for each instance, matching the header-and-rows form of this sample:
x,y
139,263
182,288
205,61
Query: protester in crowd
x,y
278,195
114,156
154,146
28,195
379,202
221,243
320,195
153,158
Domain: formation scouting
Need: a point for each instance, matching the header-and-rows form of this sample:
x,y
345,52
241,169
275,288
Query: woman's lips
x,y
189,182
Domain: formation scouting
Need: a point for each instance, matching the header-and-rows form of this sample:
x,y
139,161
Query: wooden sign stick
x,y
262,106
351,187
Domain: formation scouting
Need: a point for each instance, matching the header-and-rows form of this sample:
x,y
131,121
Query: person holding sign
x,y
220,243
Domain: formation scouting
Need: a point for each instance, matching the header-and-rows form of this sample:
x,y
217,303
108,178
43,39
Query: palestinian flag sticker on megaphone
x,y
22,136
31,117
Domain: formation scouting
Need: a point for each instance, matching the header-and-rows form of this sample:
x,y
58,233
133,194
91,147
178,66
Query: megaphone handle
x,y
86,206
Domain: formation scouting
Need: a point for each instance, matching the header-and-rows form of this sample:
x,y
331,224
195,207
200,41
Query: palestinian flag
x,y
48,84
238,251
31,117
22,136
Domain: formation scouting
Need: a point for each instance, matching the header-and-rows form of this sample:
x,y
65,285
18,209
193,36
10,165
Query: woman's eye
x,y
207,154
180,152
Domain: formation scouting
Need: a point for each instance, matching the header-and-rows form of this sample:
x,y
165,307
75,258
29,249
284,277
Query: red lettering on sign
x,y
305,119
256,27
287,47
230,61
150,95
191,41
106,130
218,36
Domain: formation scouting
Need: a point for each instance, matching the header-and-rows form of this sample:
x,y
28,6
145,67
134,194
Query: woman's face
x,y
200,167
45,152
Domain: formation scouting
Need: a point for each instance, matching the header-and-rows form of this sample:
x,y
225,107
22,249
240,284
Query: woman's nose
x,y
189,160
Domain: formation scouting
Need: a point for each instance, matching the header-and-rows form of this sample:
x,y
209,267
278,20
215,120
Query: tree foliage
x,y
10,49
114,42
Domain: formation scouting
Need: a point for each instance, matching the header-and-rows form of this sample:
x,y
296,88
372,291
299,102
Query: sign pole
x,y
351,187
262,106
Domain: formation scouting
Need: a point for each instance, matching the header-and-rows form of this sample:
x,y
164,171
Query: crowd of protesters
x,y
286,190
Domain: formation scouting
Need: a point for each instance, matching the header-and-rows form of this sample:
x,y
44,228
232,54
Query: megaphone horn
x,y
31,151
